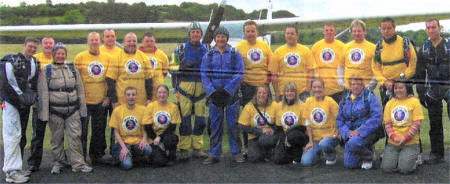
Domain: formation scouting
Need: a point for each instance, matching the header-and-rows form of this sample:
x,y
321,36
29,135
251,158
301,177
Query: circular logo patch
x,y
258,121
130,123
400,114
255,55
292,60
153,62
289,119
318,116
95,69
132,66
356,56
327,55
161,118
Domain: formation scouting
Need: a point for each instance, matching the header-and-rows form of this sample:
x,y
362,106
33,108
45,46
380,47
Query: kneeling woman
x,y
289,117
258,120
128,121
164,117
320,112
402,117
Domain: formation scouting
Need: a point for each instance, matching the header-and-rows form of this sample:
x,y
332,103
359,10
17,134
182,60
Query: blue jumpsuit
x,y
354,115
223,71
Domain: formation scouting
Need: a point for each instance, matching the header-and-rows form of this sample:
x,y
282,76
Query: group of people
x,y
323,97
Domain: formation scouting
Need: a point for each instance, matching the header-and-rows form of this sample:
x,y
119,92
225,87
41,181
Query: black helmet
x,y
222,30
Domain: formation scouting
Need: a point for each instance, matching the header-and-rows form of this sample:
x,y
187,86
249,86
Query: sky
x,y
307,8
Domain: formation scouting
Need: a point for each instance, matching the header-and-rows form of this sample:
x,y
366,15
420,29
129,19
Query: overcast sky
x,y
307,8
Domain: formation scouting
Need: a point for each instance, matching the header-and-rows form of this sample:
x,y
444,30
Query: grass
x,y
168,48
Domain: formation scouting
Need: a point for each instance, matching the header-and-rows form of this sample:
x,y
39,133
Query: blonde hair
x,y
269,99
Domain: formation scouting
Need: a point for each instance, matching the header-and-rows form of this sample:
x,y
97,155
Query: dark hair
x,y
162,86
31,39
408,85
388,19
148,34
291,26
249,22
431,20
129,88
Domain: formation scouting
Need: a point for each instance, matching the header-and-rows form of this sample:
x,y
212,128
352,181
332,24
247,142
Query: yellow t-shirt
x,y
402,114
321,115
44,60
289,116
358,61
92,70
292,64
160,64
130,70
130,122
111,52
257,60
392,52
328,57
250,117
162,115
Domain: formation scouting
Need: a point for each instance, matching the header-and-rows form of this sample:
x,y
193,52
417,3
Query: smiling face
x,y
261,95
129,43
356,86
47,45
328,33
29,48
358,34
195,35
317,88
250,32
148,42
130,96
109,38
59,55
291,36
400,90
93,42
162,94
221,40
433,30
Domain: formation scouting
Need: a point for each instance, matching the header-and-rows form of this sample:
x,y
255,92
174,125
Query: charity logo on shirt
x,y
356,56
258,121
132,66
292,59
255,55
95,69
327,55
289,119
161,118
152,61
130,123
399,114
318,116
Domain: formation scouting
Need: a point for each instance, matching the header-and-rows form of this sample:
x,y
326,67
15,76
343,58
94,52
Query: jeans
x,y
326,144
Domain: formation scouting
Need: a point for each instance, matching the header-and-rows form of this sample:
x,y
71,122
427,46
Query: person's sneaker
x,y
184,155
419,160
294,162
239,159
198,153
33,168
245,154
366,165
330,162
26,173
84,168
434,159
210,160
56,169
16,177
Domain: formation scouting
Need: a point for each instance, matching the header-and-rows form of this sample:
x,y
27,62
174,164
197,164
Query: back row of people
x,y
105,78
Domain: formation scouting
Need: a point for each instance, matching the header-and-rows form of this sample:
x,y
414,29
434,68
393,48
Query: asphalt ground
x,y
226,171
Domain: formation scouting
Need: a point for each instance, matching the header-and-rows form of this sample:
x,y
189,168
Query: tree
x,y
49,2
73,16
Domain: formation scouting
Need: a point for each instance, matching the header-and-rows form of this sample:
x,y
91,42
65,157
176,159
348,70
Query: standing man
x,y
129,68
433,77
109,42
256,55
328,55
18,92
158,60
394,56
358,55
92,66
37,138
222,69
188,84
293,62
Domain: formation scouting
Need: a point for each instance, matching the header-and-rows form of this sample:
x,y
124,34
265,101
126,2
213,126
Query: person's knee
x,y
306,161
126,163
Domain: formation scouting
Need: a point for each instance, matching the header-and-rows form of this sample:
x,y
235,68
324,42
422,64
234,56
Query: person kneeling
x,y
128,121
164,117
257,119
402,117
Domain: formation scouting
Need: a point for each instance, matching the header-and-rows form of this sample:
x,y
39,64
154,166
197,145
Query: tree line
x,y
101,12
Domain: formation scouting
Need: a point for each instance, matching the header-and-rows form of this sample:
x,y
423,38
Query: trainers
x,y
330,162
16,177
419,160
210,160
239,159
56,169
366,165
84,168
295,162
33,168
184,155
26,173
198,153
245,154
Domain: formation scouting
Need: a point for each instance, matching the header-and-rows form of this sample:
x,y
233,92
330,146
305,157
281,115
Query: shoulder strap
x,y
72,69
262,115
48,72
406,55
377,55
447,46
426,47
366,101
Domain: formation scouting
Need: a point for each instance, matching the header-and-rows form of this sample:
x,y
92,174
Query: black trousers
x,y
436,130
24,112
37,140
97,113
